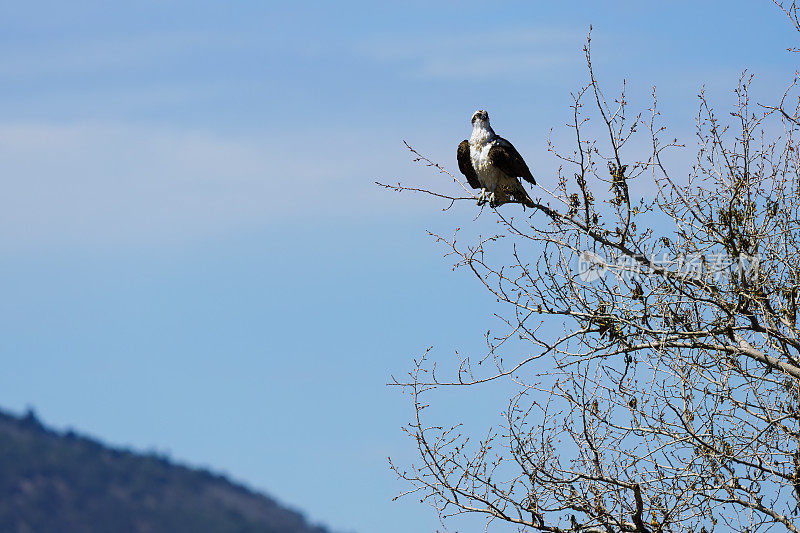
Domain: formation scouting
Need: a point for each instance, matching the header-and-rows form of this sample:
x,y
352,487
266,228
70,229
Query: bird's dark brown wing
x,y
465,165
504,156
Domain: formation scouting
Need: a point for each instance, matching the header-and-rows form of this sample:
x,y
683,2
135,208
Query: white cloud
x,y
482,55
104,184
103,53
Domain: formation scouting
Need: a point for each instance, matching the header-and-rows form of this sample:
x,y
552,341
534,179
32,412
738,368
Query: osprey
x,y
493,165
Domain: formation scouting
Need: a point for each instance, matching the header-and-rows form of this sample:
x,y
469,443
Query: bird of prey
x,y
493,165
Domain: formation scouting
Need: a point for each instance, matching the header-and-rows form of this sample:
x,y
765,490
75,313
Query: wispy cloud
x,y
505,54
112,184
96,54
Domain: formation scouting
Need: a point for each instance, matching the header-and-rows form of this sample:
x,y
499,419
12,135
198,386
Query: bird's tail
x,y
521,196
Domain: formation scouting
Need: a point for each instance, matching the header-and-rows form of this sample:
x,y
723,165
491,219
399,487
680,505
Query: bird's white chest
x,y
488,175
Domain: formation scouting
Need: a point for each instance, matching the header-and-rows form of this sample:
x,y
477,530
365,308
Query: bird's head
x,y
480,118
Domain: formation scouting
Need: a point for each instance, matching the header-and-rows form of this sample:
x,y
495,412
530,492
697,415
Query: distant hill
x,y
65,483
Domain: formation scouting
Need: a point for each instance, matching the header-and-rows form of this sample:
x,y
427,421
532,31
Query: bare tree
x,y
666,328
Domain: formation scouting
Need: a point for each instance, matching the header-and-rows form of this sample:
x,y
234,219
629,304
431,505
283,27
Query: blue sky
x,y
193,256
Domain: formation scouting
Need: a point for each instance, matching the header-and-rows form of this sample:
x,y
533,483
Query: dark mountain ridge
x,y
67,483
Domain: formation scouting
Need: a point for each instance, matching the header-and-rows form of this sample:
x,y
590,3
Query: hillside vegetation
x,y
62,482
